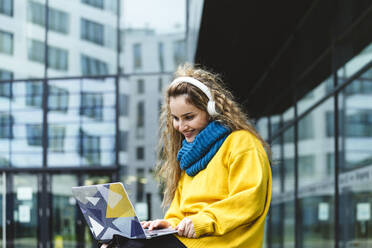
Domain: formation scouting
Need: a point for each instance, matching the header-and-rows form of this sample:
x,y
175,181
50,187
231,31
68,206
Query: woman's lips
x,y
188,134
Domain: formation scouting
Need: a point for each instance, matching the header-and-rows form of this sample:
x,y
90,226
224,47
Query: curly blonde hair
x,y
230,114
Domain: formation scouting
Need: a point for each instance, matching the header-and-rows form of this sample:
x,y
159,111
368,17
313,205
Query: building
x,y
79,102
302,70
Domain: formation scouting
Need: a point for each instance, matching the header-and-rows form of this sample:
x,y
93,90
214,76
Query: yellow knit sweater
x,y
228,201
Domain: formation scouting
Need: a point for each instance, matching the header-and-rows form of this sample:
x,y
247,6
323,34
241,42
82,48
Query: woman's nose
x,y
182,126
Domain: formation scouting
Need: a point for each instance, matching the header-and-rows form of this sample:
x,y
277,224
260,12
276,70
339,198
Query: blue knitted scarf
x,y
195,156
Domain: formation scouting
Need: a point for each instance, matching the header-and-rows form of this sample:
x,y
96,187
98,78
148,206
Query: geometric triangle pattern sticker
x,y
96,213
93,200
104,191
97,228
108,211
118,208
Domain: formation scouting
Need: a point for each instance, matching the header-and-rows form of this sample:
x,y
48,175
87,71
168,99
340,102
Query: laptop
x,y
108,211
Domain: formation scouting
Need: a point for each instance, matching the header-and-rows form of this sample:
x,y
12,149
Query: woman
x,y
214,165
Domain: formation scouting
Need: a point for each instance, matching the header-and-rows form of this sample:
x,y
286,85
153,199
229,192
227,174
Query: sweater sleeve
x,y
248,188
173,214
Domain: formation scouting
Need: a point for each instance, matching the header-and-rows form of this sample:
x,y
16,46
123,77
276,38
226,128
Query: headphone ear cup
x,y
212,108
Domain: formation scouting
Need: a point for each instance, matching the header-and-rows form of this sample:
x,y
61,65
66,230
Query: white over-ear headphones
x,y
211,108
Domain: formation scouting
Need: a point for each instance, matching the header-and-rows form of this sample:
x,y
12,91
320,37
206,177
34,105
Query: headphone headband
x,y
211,104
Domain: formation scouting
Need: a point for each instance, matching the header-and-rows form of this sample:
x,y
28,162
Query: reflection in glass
x,y
92,31
25,210
316,178
92,66
57,57
356,162
34,93
64,211
91,105
6,126
6,89
89,148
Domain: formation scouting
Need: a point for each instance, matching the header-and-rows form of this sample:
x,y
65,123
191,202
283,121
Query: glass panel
x,y
82,42
81,121
355,64
2,194
316,178
25,108
262,128
64,212
315,95
288,181
356,162
25,210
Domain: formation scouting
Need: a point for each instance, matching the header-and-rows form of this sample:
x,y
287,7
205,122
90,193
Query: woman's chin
x,y
189,139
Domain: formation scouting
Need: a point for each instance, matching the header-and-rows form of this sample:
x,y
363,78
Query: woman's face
x,y
187,119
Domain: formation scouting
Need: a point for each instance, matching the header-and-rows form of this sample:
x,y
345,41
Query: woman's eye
x,y
175,118
189,117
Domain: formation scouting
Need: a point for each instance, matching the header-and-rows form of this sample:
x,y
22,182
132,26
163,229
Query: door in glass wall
x,y
65,221
2,210
22,210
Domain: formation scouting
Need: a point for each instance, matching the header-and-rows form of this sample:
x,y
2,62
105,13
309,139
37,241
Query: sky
x,y
165,16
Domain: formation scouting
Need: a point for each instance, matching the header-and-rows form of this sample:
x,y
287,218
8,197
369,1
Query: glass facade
x,y
321,163
73,99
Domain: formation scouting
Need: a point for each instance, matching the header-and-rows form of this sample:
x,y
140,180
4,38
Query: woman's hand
x,y
186,228
155,224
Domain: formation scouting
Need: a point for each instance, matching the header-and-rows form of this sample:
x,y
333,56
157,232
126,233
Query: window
x,y
359,124
137,56
91,66
34,94
6,89
123,143
91,105
6,7
58,20
359,86
6,126
306,128
140,119
89,147
56,137
140,86
160,85
36,51
58,99
94,3
179,52
140,153
6,42
57,57
140,114
140,185
92,31
124,104
161,56
34,134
